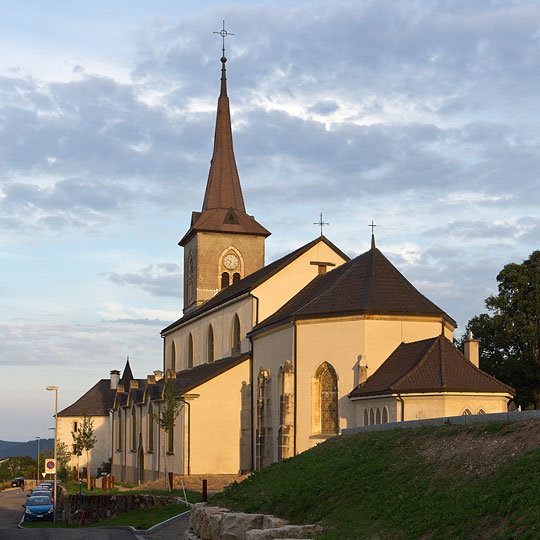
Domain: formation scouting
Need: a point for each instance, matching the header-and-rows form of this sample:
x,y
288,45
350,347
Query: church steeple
x,y
223,244
223,188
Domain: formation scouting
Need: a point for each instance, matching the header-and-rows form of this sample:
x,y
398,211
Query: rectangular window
x,y
170,441
75,427
119,431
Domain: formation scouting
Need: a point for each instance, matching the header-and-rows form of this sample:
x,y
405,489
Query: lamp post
x,y
37,462
55,388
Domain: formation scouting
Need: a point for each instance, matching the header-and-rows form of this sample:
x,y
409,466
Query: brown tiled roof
x,y
187,379
429,365
253,280
369,284
223,206
96,402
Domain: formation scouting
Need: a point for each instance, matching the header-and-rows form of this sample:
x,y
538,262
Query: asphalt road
x,y
11,512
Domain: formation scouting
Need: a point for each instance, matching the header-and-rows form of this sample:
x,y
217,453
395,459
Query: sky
x,y
420,116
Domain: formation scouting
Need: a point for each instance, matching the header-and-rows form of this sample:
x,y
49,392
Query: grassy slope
x,y
386,485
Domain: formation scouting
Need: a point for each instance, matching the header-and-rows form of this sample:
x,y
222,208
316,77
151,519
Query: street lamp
x,y
37,462
55,388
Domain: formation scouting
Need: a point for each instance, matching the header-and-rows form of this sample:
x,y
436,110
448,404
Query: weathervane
x,y
321,223
223,33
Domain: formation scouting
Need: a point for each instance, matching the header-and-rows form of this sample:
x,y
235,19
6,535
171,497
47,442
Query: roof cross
x,y
372,227
321,223
223,33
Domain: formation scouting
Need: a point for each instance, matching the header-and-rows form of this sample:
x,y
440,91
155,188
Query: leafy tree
x,y
166,416
76,450
63,455
510,335
84,441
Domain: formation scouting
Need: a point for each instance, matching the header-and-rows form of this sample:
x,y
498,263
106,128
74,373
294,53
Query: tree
x,y
84,441
166,416
63,455
76,450
510,335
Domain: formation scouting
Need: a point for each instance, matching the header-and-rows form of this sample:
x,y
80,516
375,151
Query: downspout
x,y
402,407
188,437
159,442
295,382
124,476
163,338
251,382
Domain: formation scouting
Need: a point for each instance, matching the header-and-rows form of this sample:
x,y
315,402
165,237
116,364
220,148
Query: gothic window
x,y
133,428
210,345
236,336
378,416
325,400
481,411
225,278
366,418
236,277
190,352
150,434
385,415
173,356
286,411
371,417
466,412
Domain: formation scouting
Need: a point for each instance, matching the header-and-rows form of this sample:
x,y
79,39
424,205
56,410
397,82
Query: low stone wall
x,y
100,507
514,416
214,523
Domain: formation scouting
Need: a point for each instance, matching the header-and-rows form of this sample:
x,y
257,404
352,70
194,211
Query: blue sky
x,y
421,116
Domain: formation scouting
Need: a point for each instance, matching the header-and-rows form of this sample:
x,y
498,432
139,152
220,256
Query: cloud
x,y
163,279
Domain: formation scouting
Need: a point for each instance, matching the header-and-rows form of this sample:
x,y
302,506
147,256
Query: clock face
x,y
230,261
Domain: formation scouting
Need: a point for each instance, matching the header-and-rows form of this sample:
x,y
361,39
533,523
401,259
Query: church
x,y
270,360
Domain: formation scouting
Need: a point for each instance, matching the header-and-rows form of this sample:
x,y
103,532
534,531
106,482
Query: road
x,y
11,512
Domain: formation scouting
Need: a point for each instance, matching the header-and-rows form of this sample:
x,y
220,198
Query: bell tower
x,y
223,244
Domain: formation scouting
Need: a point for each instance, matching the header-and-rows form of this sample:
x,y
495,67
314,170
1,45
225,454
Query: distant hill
x,y
29,448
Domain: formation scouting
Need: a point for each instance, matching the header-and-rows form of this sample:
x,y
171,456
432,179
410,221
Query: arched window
x,y
173,356
236,336
190,278
378,416
236,277
225,278
119,431
466,412
481,411
190,352
133,428
150,434
210,345
366,418
385,415
170,441
371,417
325,400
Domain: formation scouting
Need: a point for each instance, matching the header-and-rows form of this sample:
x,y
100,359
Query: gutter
x,y
211,310
251,383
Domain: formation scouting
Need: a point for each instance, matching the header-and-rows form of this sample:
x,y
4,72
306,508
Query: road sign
x,y
50,466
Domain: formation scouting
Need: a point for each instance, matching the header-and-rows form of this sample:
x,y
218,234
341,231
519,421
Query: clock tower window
x,y
225,280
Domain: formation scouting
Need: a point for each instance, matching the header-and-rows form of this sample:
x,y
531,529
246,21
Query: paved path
x,y
172,531
11,510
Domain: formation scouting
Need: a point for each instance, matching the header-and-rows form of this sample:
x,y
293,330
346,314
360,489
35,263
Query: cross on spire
x,y
372,225
321,223
223,33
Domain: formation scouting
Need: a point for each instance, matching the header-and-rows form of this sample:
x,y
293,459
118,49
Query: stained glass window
x,y
329,399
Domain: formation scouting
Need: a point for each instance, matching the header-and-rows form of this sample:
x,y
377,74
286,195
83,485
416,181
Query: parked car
x,y
38,508
37,492
17,482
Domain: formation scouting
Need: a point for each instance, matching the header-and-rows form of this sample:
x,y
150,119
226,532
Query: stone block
x,y
234,525
188,535
287,531
272,522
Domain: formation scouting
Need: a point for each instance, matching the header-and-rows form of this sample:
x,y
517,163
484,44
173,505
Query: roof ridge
x,y
369,278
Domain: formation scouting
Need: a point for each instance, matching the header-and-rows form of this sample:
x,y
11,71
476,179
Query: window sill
x,y
149,451
323,436
170,453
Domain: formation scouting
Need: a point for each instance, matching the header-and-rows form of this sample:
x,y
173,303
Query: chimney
x,y
158,374
115,379
321,265
472,349
171,374
133,384
150,379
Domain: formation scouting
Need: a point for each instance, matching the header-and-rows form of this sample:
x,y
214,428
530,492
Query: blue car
x,y
38,509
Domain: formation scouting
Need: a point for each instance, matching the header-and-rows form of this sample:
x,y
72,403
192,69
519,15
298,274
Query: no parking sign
x,y
50,466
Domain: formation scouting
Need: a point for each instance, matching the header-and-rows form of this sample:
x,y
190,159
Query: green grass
x,y
378,485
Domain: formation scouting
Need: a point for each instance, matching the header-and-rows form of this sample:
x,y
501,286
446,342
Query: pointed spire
x,y
223,188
